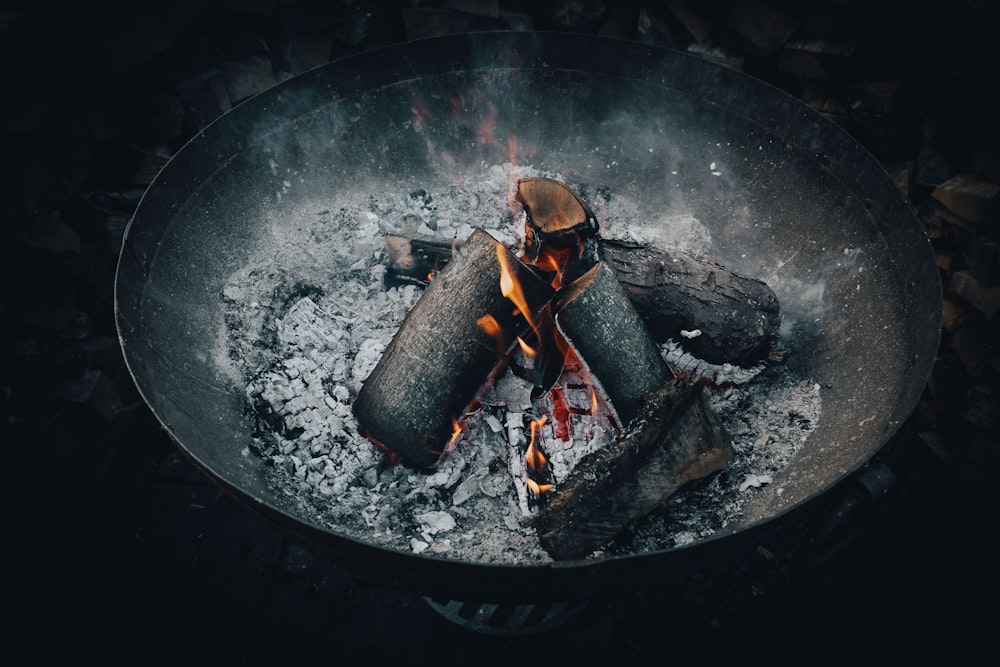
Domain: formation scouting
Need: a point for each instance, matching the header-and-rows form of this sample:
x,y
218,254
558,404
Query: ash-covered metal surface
x,y
311,315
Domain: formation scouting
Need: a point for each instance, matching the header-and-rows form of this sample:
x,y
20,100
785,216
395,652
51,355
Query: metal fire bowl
x,y
798,203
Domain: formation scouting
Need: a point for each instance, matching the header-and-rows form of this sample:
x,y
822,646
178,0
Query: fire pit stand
x,y
511,620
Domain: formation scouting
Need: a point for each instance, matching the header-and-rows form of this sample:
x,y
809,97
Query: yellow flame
x,y
511,288
526,349
535,458
491,327
456,430
537,489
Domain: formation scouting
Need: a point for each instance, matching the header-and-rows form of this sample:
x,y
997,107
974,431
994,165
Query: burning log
x,y
595,317
736,317
560,230
450,343
675,438
715,314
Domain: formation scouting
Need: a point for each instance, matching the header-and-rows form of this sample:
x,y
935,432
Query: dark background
x,y
120,549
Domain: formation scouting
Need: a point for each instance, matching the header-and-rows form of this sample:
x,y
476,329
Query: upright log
x,y
442,354
676,438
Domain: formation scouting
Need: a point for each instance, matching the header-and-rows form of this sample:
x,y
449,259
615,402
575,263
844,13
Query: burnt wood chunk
x,y
729,318
416,259
595,317
677,438
442,353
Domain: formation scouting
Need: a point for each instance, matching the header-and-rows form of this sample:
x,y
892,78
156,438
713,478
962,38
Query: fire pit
x,y
292,192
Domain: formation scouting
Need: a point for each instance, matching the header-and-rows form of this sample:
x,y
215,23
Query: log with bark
x,y
736,318
674,439
596,318
452,341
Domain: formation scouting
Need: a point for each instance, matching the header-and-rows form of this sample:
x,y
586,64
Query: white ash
x,y
311,317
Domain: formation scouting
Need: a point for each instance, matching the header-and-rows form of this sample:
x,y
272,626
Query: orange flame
x,y
489,324
511,288
535,460
555,254
537,489
456,430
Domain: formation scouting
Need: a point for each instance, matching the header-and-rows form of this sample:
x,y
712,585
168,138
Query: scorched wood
x,y
737,317
677,438
727,317
452,340
416,259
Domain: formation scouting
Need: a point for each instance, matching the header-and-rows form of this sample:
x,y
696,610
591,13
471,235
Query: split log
x,y
677,438
729,318
738,316
595,317
560,230
439,359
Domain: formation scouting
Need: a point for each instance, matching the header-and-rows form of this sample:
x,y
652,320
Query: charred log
x,y
444,351
727,317
737,317
595,317
675,439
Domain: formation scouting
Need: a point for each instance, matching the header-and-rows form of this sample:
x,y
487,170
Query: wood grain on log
x,y
560,230
738,317
676,439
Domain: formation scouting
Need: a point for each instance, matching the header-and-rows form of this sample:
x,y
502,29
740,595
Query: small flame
x,y
526,349
456,430
537,489
511,288
554,255
536,461
489,324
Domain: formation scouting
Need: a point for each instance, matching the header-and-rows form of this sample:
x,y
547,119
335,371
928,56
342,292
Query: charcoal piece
x,y
595,316
439,359
675,439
